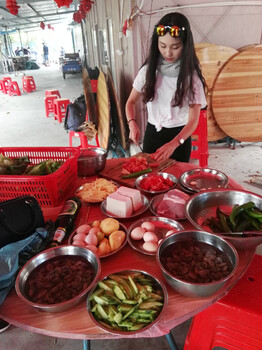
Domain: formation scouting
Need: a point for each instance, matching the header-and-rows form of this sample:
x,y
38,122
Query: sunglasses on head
x,y
174,31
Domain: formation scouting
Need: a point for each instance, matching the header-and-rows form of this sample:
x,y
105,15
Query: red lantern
x,y
61,3
76,17
42,25
86,4
12,6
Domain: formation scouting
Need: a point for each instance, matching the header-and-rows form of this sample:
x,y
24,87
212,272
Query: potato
x,y
100,235
116,239
109,225
104,247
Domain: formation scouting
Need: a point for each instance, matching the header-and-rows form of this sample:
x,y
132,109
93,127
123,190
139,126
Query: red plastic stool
x,y
2,87
199,140
14,88
50,104
28,84
52,92
6,82
83,139
234,322
94,85
60,105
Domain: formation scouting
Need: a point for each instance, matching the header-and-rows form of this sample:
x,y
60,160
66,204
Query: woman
x,y
172,86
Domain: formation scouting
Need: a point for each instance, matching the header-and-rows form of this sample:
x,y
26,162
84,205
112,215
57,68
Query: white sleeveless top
x,y
160,112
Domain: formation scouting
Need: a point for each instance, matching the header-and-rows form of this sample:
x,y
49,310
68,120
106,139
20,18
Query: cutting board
x,y
89,97
212,58
115,106
237,96
114,174
103,111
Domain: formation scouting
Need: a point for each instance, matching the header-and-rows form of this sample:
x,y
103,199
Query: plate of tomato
x,y
156,183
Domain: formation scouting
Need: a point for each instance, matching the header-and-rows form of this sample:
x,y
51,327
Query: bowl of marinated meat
x,y
58,278
197,263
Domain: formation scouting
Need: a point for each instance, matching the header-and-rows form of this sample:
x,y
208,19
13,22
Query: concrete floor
x,y
23,123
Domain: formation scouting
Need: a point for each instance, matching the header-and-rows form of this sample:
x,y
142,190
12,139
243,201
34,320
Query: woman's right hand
x,y
134,131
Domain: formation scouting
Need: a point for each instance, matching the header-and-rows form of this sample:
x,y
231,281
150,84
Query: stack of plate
x,y
202,179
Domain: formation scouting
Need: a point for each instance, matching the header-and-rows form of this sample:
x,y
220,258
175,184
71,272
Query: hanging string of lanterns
x,y
12,6
61,3
78,16
83,9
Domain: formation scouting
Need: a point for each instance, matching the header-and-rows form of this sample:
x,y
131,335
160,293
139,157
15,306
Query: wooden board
x,y
121,119
200,46
89,97
103,111
237,96
212,58
115,173
246,47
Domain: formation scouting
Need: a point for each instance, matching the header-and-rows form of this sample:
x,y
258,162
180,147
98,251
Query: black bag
x,y
75,114
19,217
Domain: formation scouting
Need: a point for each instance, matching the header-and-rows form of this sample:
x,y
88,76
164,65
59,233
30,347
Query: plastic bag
x,y
14,255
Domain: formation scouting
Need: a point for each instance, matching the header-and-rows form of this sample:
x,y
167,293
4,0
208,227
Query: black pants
x,y
154,139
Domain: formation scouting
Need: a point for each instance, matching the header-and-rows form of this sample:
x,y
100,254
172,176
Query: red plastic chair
x,y
234,322
83,140
60,105
50,104
52,92
14,88
199,140
6,81
28,84
2,86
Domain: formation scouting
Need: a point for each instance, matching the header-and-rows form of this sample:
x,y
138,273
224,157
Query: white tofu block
x,y
133,194
118,205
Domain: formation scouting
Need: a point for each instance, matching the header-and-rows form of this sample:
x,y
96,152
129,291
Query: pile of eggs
x,y
101,237
147,233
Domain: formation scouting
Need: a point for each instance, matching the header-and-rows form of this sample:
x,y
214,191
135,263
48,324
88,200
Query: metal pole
x,y
73,39
86,344
171,341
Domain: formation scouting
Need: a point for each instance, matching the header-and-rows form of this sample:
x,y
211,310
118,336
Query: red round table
x,y
76,323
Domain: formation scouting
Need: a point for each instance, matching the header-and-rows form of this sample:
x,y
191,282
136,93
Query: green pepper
x,y
243,226
223,220
239,209
254,213
136,174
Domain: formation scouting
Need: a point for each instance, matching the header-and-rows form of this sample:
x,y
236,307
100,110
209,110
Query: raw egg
x,y
150,237
137,233
148,226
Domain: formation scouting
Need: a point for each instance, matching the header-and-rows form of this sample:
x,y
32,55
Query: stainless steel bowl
x,y
46,256
203,205
154,282
197,289
163,175
91,161
203,179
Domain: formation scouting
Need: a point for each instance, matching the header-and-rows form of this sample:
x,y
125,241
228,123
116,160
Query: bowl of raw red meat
x,y
171,204
156,183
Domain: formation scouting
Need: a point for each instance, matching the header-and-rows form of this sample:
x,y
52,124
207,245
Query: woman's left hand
x,y
163,153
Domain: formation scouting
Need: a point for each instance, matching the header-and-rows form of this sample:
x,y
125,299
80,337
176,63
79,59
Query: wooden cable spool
x,y
237,96
212,58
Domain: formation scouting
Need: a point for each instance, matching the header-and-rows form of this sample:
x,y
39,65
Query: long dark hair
x,y
189,62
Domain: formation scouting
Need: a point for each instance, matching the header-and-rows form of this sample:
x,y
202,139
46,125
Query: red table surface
x,y
76,323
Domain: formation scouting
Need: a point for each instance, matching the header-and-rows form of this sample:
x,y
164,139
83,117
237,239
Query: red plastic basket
x,y
49,190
